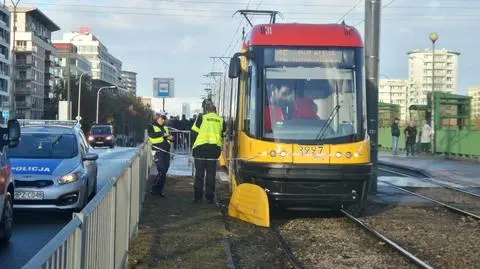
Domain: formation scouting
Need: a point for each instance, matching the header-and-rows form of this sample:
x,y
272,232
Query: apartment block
x,y
106,69
421,72
129,81
146,101
186,110
34,61
395,91
78,64
474,92
5,59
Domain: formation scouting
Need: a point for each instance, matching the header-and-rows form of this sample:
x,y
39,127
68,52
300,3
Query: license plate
x,y
310,150
28,195
99,142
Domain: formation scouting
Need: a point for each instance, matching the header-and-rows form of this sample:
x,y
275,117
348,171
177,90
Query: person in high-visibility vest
x,y
160,138
207,147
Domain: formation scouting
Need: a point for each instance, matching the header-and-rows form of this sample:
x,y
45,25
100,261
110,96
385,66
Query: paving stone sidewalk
x,y
461,172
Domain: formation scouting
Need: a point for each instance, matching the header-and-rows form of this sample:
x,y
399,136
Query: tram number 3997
x,y
310,150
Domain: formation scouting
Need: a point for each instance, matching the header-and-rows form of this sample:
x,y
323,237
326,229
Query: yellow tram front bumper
x,y
310,185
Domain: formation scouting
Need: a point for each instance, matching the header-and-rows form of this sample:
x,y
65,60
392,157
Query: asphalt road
x,y
34,229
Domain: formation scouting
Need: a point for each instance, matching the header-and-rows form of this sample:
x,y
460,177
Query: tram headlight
x,y
283,154
356,154
348,155
339,155
273,153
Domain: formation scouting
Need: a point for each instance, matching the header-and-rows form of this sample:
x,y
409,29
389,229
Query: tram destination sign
x,y
312,56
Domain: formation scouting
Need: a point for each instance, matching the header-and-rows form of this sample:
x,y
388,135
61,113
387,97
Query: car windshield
x,y
101,130
301,99
44,146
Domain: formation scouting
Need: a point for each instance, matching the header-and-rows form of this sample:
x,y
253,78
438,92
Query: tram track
x,y
272,231
440,235
416,260
431,181
460,201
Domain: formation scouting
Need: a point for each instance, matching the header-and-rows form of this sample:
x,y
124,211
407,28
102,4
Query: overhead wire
x,y
327,16
229,8
235,32
349,11
455,4
381,8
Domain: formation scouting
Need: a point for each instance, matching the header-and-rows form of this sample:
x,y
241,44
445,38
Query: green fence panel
x,y
385,139
458,142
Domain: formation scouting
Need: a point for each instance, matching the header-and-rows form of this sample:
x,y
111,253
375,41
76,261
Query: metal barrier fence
x,y
182,146
98,237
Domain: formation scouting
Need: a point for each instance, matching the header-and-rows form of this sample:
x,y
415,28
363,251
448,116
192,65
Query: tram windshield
x,y
300,100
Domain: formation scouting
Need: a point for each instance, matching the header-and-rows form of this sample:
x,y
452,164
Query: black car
x,y
101,135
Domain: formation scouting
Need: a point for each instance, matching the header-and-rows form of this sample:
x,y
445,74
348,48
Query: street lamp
x,y
98,96
80,94
433,37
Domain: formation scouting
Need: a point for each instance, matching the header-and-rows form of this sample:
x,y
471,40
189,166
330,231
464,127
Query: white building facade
x,y
105,67
186,110
129,81
78,63
420,72
395,91
34,61
5,58
474,92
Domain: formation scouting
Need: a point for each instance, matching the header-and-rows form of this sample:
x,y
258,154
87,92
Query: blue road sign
x,y
163,87
5,114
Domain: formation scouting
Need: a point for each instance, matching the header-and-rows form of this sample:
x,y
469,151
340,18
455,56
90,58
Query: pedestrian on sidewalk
x,y
395,136
410,138
160,138
207,147
426,137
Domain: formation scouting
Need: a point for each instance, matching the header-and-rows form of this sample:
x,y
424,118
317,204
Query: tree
x,y
125,112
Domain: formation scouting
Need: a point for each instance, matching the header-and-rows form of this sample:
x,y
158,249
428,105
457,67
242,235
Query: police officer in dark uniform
x,y
210,128
160,138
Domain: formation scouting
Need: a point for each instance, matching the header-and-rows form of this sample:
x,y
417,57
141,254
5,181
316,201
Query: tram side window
x,y
250,104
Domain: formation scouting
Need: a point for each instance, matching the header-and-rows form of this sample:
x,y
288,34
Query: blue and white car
x,y
53,166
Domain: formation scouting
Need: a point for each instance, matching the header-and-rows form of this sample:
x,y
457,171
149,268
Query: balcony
x,y
23,91
27,49
24,77
23,85
22,104
24,63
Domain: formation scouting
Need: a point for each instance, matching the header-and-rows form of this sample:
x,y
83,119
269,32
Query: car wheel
x,y
6,224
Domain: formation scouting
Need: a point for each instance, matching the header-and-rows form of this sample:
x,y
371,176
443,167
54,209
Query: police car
x,y
53,166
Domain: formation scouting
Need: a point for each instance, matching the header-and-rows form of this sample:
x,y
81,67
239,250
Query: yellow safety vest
x,y
159,140
210,131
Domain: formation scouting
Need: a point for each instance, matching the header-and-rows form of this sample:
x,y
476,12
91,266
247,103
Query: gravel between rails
x,y
434,234
251,246
326,242
451,197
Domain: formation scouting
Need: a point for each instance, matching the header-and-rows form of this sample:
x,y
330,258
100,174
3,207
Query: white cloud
x,y
188,43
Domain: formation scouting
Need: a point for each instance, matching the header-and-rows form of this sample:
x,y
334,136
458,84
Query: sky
x,y
175,38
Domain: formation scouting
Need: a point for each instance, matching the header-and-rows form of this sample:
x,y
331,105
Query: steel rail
x,y
385,239
273,232
226,241
429,180
285,248
452,208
